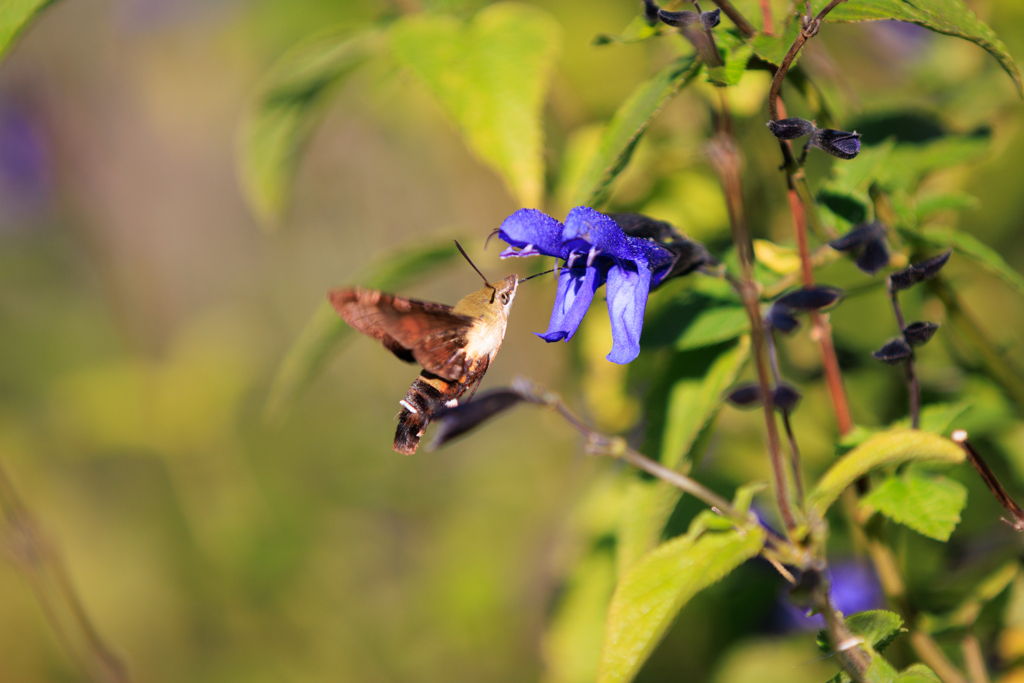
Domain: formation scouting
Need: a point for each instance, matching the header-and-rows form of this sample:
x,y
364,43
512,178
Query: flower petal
x,y
534,229
576,287
627,300
586,228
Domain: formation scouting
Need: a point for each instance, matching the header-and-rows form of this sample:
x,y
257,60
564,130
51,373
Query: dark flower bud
x,y
838,143
651,12
894,352
745,396
688,254
874,257
918,272
919,333
869,239
791,129
811,299
780,316
678,19
785,397
711,19
460,419
858,236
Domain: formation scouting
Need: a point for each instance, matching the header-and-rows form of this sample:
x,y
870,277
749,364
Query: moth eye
x,y
504,297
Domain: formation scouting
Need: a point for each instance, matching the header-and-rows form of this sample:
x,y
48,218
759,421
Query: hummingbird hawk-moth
x,y
454,344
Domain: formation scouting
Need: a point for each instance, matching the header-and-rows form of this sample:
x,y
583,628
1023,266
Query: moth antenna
x,y
522,280
466,256
494,290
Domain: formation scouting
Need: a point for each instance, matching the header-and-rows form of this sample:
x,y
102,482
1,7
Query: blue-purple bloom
x,y
595,251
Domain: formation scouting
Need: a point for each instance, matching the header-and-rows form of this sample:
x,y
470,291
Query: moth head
x,y
505,291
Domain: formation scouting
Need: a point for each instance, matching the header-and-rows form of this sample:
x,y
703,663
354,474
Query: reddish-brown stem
x,y
822,331
766,17
990,479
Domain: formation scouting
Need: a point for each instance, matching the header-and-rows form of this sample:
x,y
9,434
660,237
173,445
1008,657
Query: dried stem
x,y
725,159
932,655
852,657
990,479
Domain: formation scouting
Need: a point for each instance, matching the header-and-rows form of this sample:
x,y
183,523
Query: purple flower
x,y
595,251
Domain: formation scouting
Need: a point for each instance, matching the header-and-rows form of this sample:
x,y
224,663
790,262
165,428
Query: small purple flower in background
x,y
854,588
25,168
595,251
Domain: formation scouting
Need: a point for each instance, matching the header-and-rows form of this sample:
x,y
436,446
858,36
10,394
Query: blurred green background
x,y
143,314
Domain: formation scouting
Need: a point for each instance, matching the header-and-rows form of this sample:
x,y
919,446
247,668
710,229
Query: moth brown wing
x,y
422,331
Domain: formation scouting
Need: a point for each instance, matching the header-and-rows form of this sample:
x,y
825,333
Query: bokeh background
x,y
144,312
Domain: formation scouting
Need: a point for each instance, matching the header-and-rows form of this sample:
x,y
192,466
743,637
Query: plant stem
x,y
744,26
725,159
810,29
602,444
932,655
990,479
974,659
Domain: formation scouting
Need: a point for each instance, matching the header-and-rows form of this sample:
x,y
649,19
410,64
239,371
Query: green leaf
x,y
735,57
773,48
289,104
636,31
951,17
14,17
938,417
650,595
927,206
325,331
877,627
929,505
491,76
693,403
964,243
918,673
967,613
713,326
908,163
627,125
887,448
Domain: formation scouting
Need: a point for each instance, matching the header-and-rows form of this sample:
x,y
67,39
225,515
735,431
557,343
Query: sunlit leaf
x,y
650,595
773,48
735,57
952,17
14,17
325,331
929,505
917,673
491,75
287,109
878,627
969,245
908,163
938,418
627,125
881,450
